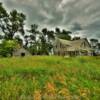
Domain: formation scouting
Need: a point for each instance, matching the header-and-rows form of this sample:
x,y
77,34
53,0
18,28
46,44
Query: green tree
x,y
76,38
7,47
63,34
47,40
3,16
34,32
19,40
44,46
11,23
57,30
98,46
94,45
33,38
93,42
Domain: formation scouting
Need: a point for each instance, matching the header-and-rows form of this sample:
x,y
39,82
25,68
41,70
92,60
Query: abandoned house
x,y
79,47
21,52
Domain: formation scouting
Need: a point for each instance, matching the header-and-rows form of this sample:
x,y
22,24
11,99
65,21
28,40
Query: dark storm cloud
x,y
78,15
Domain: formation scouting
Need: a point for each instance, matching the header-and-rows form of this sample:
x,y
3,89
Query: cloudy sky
x,y
80,16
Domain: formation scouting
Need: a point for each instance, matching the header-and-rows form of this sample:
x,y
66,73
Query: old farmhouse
x,y
79,47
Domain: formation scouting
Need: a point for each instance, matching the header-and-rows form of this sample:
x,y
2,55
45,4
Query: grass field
x,y
50,78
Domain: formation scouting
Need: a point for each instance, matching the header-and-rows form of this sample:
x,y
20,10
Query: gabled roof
x,y
62,41
72,43
66,42
20,50
75,44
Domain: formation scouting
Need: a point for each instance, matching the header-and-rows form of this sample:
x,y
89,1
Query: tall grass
x,y
50,78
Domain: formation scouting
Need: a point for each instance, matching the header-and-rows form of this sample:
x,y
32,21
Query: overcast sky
x,y
80,16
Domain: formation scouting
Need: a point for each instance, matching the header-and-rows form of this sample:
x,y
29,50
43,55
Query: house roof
x,y
20,50
62,41
66,42
75,44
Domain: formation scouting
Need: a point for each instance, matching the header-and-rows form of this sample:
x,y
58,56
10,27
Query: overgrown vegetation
x,y
50,78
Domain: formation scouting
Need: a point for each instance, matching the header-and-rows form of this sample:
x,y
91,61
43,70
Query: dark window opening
x,y
22,54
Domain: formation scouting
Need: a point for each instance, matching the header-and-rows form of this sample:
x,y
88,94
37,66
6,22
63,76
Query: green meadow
x,y
50,78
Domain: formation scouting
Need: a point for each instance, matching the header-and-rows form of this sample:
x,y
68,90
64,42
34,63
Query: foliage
x,y
11,23
63,34
76,38
41,42
7,47
95,46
